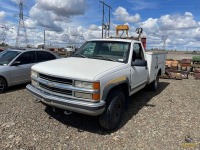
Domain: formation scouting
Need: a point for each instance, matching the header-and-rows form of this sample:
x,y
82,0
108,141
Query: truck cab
x,y
98,78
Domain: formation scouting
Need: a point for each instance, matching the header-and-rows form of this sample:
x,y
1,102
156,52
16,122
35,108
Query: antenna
x,y
164,38
21,32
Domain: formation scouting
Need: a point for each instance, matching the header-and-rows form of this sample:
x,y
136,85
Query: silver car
x,y
15,65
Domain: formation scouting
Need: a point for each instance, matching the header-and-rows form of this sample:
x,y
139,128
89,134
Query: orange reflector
x,y
96,85
96,96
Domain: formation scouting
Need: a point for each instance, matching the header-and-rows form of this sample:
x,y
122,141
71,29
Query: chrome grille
x,y
51,79
56,79
56,90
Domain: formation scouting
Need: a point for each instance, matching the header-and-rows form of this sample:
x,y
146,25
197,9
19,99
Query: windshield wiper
x,y
80,55
103,57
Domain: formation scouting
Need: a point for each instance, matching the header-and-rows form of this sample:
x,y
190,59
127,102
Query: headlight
x,y
34,74
87,85
34,83
94,96
83,95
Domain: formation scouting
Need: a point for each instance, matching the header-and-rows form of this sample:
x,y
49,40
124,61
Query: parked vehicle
x,y
98,78
15,65
70,48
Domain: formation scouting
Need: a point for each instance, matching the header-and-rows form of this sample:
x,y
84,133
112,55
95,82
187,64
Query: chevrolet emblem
x,y
50,84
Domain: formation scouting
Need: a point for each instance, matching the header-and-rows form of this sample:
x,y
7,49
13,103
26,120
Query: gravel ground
x,y
153,121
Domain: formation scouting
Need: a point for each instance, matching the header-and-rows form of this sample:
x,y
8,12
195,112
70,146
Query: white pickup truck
x,y
98,78
71,49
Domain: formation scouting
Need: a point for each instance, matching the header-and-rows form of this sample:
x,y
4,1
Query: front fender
x,y
114,84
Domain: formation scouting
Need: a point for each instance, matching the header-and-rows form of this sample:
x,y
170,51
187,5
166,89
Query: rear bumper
x,y
69,104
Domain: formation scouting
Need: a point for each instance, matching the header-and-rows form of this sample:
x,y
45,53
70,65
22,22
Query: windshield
x,y
106,50
7,56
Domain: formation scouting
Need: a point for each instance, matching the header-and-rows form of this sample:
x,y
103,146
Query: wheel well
x,y
4,80
159,72
122,87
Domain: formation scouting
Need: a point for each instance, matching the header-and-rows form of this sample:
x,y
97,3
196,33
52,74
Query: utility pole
x,y
102,18
164,38
44,39
109,24
21,26
105,27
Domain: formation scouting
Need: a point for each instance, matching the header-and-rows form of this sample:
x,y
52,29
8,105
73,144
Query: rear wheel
x,y
112,115
154,84
3,85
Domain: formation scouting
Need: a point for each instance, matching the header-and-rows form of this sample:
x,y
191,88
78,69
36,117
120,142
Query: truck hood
x,y
77,68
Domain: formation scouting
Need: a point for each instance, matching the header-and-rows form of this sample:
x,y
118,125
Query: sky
x,y
175,22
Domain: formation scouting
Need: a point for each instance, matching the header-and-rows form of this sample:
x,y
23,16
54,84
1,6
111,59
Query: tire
x,y
3,85
111,117
154,84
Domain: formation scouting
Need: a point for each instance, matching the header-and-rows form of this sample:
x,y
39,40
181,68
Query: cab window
x,y
137,52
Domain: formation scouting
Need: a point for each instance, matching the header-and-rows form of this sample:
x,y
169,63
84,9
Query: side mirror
x,y
16,63
139,63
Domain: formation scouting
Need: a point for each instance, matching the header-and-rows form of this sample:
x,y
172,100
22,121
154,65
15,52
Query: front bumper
x,y
69,104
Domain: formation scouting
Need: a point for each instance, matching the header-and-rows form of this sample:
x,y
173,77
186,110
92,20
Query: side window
x,y
27,58
44,56
137,52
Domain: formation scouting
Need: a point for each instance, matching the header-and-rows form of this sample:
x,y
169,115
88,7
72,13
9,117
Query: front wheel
x,y
154,84
3,85
111,117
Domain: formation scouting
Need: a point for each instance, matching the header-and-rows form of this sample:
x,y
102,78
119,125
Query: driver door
x,y
139,74
20,70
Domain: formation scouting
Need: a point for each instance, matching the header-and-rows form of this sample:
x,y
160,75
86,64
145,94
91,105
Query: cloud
x,y
169,23
31,24
49,14
175,22
94,27
142,4
182,30
44,19
64,8
121,14
2,14
64,17
150,24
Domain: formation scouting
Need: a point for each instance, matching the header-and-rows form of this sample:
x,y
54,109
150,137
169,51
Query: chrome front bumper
x,y
69,104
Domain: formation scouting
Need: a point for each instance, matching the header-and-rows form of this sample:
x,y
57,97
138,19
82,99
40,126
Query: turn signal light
x,y
96,96
96,85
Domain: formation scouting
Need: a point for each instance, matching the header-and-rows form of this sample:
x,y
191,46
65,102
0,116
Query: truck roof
x,y
115,39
